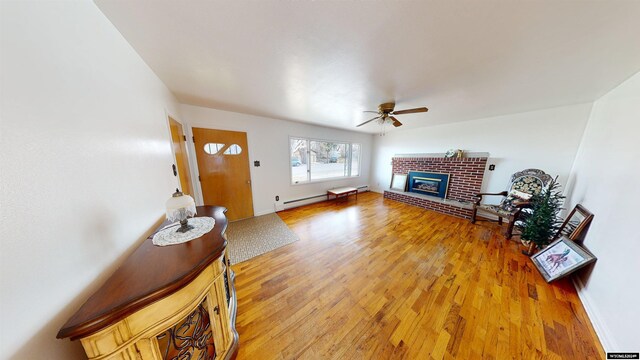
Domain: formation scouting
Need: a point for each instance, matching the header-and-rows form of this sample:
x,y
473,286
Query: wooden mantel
x,y
150,274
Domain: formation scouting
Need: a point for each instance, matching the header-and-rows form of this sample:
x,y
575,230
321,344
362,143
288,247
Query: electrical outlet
x,y
277,198
492,167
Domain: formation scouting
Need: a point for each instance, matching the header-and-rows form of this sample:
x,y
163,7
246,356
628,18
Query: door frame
x,y
186,129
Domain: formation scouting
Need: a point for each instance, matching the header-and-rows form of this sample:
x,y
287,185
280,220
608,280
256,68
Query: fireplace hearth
x,y
454,195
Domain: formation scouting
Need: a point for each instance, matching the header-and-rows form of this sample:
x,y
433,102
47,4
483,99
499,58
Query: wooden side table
x,y
163,302
342,192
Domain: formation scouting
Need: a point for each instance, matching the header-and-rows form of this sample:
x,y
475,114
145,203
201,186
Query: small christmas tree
x,y
542,222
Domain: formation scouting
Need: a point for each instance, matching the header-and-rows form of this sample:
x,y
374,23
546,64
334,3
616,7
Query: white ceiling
x,y
325,62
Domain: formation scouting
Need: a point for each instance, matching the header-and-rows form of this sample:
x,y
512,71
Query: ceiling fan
x,y
386,114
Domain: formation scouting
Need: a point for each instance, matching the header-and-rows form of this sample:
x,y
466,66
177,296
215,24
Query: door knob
x,y
248,181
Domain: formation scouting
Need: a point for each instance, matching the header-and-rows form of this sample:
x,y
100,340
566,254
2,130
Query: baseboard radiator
x,y
289,204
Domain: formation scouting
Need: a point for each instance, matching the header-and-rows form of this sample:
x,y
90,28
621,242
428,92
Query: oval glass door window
x,y
234,149
212,148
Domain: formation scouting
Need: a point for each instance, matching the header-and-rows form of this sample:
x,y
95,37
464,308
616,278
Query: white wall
x,y
269,143
545,139
85,165
84,170
604,176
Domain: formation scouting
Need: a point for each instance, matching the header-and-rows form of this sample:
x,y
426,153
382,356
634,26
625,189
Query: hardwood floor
x,y
378,279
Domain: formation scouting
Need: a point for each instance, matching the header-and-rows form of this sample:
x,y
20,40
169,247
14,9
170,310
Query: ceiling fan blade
x,y
410,111
368,121
373,112
396,123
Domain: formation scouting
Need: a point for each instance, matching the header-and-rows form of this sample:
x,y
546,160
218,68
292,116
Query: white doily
x,y
170,236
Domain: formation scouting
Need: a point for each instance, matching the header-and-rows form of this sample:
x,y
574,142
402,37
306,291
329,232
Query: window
x,y
215,148
234,149
315,160
355,159
212,148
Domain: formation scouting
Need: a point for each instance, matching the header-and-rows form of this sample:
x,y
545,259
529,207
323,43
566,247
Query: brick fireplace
x,y
465,177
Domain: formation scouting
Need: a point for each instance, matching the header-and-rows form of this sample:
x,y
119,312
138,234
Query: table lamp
x,y
181,207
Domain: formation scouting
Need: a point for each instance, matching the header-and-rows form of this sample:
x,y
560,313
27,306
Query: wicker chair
x,y
523,184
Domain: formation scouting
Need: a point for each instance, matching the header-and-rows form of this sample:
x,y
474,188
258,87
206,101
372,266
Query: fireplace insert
x,y
433,184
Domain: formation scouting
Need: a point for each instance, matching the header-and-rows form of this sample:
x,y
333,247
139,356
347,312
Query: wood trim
x,y
179,147
233,312
165,271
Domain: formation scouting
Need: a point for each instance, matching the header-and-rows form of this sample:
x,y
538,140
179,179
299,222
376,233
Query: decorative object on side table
x,y
561,258
541,222
180,208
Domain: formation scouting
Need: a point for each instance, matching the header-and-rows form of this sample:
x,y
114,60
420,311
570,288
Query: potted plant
x,y
540,224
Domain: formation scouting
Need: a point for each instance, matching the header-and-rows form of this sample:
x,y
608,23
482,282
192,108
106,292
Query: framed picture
x,y
576,223
399,182
561,258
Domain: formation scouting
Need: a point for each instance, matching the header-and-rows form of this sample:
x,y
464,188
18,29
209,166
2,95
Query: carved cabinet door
x,y
191,338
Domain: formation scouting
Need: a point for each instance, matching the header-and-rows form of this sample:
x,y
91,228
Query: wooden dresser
x,y
172,302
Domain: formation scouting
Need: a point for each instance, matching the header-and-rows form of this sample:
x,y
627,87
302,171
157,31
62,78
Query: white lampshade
x,y
180,207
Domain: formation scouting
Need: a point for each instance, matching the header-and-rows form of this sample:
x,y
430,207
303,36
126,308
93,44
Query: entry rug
x,y
255,236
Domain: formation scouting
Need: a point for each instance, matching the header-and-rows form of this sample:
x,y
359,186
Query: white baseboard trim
x,y
290,204
263,212
602,331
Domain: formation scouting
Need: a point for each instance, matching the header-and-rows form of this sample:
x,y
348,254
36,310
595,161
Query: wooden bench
x,y
342,192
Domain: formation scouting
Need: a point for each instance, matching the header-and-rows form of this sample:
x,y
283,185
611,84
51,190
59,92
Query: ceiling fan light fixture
x,y
385,114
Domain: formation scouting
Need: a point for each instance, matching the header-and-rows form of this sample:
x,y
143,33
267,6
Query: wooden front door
x,y
223,164
178,141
